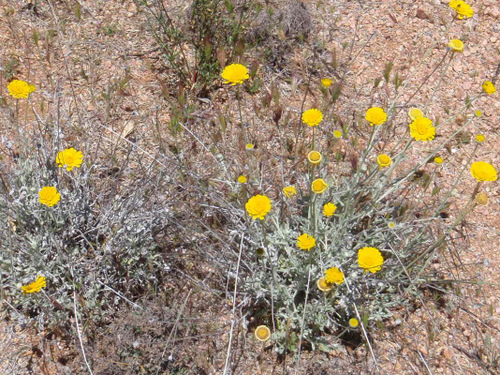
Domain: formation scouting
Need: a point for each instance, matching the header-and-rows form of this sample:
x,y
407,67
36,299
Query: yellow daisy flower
x,y
289,191
242,179
306,242
376,116
69,158
49,196
329,209
421,129
353,322
312,117
483,171
489,88
258,206
235,74
334,275
20,89
370,259
326,82
35,287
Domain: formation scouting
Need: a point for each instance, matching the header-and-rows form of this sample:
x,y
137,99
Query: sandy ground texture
x,y
105,42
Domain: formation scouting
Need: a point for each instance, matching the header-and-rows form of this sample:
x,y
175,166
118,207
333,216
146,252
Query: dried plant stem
x,y
233,319
79,334
303,319
358,315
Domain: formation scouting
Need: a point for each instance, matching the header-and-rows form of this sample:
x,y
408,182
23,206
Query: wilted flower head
x,y
262,333
384,160
421,129
456,45
69,158
258,206
318,186
289,191
20,89
323,285
35,287
481,198
306,242
415,113
314,157
49,196
376,116
235,74
370,259
483,171
334,275
489,88
312,117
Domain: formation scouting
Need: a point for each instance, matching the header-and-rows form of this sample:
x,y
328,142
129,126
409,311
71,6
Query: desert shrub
x,y
196,44
368,254
95,246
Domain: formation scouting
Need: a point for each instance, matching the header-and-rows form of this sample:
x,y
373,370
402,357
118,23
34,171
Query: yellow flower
x,y
334,276
480,138
318,186
49,196
483,171
306,242
337,134
289,191
438,160
353,322
235,73
421,129
384,160
489,87
456,45
391,225
35,286
482,199
258,206
329,209
463,9
312,117
314,157
69,158
376,116
249,146
415,113
20,89
326,82
323,285
242,179
262,333
370,259
478,113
